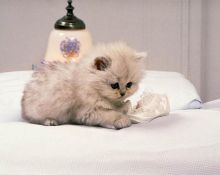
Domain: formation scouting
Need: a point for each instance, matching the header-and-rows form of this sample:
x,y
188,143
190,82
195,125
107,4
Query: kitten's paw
x,y
50,122
123,122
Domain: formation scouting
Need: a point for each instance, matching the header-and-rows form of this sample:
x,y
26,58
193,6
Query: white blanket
x,y
184,142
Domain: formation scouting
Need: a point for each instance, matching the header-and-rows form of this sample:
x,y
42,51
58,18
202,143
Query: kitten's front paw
x,y
50,122
123,122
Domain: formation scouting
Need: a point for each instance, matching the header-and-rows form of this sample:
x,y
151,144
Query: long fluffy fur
x,y
62,93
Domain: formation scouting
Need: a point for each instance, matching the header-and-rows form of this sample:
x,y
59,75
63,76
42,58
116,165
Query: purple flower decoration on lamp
x,y
70,48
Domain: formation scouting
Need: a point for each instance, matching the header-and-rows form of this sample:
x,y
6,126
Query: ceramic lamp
x,y
69,40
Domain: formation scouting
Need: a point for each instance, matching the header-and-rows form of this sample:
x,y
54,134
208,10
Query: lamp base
x,y
68,45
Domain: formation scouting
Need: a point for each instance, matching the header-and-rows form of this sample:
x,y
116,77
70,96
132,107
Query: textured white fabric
x,y
149,107
214,105
184,142
180,91
11,88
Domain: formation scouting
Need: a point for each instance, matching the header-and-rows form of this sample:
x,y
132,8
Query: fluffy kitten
x,y
91,92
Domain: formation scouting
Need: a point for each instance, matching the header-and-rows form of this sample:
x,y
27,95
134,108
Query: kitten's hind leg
x,y
50,122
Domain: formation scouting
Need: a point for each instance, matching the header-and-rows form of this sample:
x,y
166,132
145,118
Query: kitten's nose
x,y
122,94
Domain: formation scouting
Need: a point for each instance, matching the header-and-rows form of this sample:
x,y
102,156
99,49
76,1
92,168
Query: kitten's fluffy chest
x,y
117,104
102,103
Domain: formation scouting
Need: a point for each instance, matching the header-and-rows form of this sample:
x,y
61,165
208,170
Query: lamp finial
x,y
69,8
70,21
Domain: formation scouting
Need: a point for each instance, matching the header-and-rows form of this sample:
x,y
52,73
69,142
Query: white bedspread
x,y
184,142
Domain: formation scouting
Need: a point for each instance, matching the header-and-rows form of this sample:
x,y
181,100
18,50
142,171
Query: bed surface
x,y
185,142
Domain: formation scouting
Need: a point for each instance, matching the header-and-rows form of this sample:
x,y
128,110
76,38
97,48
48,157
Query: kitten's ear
x,y
102,63
140,55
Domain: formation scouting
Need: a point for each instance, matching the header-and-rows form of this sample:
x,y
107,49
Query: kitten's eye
x,y
115,86
129,84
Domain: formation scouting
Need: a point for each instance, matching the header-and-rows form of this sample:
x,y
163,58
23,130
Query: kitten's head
x,y
117,70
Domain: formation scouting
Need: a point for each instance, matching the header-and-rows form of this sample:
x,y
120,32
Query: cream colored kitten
x,y
90,93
